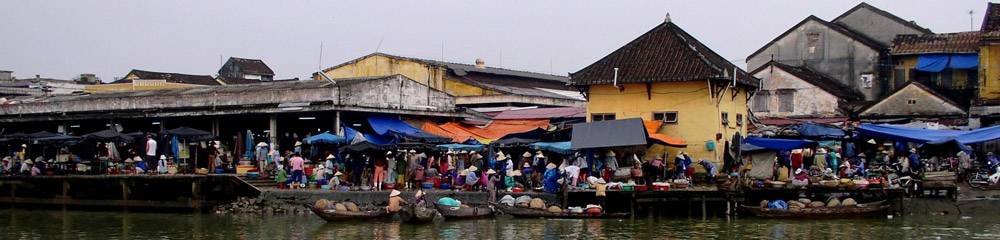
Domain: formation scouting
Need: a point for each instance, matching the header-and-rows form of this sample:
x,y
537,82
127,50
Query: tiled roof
x,y
462,69
991,22
252,66
829,85
171,77
665,53
512,85
961,42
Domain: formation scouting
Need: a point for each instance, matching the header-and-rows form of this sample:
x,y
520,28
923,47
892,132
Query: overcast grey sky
x,y
62,39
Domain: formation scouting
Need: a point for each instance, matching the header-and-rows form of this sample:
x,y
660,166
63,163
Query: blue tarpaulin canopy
x,y
903,134
928,136
756,143
556,147
325,138
932,62
393,127
816,131
938,62
460,147
964,61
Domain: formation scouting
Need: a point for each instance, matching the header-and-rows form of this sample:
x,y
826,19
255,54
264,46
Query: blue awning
x,y
902,134
964,61
388,126
757,143
974,136
932,62
556,147
325,138
816,131
460,147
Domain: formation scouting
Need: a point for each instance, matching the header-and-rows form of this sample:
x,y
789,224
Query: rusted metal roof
x,y
543,113
171,77
665,53
252,66
960,42
462,69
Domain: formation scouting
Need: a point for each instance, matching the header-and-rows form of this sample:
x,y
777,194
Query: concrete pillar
x,y
336,123
273,127
215,125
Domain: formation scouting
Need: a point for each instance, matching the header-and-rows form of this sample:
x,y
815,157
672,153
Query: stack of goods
x,y
806,203
332,206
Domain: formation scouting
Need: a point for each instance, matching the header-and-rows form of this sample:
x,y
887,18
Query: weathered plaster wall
x,y
876,26
926,104
835,55
809,99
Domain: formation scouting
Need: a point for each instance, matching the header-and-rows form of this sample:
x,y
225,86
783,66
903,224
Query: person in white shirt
x,y
161,166
150,150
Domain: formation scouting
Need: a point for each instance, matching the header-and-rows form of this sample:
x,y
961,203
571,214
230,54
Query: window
x,y
911,101
812,43
666,117
761,101
786,99
867,80
725,118
739,119
596,117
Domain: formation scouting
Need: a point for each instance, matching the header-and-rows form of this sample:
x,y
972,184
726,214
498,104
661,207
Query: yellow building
x,y
137,80
474,85
667,75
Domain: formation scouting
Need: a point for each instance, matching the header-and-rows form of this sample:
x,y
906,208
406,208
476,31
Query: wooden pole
x,y
704,214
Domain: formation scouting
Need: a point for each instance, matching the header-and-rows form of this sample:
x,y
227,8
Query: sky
x,y
63,38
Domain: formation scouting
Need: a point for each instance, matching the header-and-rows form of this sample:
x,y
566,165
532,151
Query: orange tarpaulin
x,y
495,130
653,127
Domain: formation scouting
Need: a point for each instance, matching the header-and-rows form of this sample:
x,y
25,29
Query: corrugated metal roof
x,y
543,113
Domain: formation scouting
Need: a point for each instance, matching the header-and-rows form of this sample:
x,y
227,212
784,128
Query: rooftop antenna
x,y
501,57
319,65
379,47
971,21
442,51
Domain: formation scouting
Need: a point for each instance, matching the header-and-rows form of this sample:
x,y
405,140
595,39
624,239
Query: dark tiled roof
x,y
991,22
252,66
232,80
885,14
836,27
665,53
462,69
961,42
817,79
171,77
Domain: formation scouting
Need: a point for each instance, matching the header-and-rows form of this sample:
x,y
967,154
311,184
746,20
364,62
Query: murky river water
x,y
50,224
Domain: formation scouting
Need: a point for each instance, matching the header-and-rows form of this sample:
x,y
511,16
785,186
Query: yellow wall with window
x,y
433,76
698,118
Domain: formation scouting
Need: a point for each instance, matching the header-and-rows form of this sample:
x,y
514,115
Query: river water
x,y
53,224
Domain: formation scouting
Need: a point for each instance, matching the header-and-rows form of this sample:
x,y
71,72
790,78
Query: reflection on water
x,y
47,224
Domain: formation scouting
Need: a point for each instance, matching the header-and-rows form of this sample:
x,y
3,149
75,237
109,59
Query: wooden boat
x,y
465,212
873,209
418,214
523,212
333,216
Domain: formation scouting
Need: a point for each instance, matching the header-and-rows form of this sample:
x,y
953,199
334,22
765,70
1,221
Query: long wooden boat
x,y
465,212
523,212
873,209
418,214
334,216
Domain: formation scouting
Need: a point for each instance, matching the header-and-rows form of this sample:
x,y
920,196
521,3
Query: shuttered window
x,y
761,100
786,100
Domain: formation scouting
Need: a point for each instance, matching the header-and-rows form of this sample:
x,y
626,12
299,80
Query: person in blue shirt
x,y
550,180
915,164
